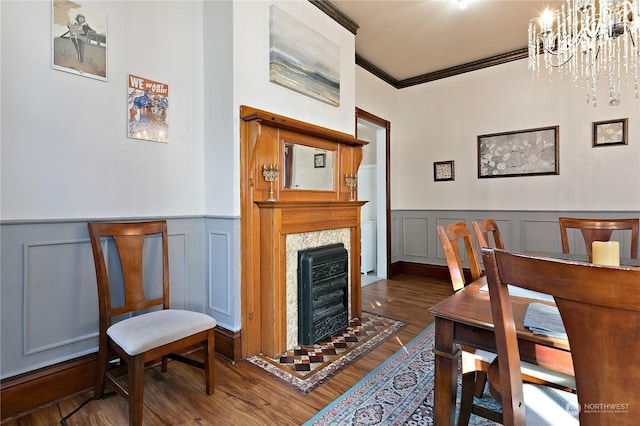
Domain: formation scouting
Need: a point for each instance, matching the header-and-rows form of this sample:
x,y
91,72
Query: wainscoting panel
x,y
415,231
520,230
222,271
49,299
59,280
219,266
541,235
178,278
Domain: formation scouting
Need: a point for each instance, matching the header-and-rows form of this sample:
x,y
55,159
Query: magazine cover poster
x,y
148,109
79,40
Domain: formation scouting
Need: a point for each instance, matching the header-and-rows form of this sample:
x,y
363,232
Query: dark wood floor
x,y
242,395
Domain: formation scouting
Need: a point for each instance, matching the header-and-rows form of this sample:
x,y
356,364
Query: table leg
x,y
446,373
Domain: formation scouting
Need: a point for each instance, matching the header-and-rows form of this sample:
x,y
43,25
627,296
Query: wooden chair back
x,y
129,239
450,236
483,228
598,230
602,324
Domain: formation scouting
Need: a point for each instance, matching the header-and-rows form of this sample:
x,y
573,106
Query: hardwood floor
x,y
243,396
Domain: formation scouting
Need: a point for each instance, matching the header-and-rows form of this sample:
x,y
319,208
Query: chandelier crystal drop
x,y
586,40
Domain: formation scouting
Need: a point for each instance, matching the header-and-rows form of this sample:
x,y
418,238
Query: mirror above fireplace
x,y
307,167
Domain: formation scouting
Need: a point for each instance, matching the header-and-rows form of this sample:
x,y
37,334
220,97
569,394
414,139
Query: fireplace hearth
x,y
322,292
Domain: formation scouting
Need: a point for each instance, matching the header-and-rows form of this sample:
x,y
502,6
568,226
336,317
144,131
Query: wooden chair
x,y
483,228
474,363
602,325
450,235
150,330
598,230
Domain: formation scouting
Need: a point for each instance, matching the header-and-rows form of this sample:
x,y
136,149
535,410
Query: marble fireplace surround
x,y
304,241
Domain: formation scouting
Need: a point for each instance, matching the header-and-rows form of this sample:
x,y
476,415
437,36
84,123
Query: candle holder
x,y
270,174
351,181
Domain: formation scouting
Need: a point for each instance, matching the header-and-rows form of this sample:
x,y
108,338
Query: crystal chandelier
x,y
589,39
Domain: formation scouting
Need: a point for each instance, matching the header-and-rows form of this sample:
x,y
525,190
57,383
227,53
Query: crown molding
x,y
337,15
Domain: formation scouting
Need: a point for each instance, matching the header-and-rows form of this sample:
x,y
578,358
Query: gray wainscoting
x,y
48,293
414,236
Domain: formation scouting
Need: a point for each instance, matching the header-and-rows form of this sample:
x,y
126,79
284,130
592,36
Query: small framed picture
x,y
443,170
318,160
611,132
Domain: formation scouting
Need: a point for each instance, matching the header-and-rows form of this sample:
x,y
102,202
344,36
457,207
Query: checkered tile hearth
x,y
306,367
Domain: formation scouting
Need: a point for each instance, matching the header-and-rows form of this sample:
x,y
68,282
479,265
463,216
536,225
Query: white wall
x,y
441,120
251,70
65,151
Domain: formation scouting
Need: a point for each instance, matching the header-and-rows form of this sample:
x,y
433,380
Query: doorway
x,y
373,185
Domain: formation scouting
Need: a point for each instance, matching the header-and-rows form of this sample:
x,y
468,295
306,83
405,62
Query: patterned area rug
x,y
306,367
399,392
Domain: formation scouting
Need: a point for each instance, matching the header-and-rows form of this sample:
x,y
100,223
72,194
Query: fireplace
x,y
271,214
322,292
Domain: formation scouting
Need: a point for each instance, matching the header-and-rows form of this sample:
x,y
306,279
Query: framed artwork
x,y
302,59
519,153
611,132
319,160
148,109
443,170
78,40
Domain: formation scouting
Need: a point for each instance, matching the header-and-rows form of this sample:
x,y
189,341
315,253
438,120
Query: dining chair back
x,y
450,237
601,322
482,229
598,230
136,323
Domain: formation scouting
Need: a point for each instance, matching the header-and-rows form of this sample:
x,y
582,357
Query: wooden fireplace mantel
x,y
265,224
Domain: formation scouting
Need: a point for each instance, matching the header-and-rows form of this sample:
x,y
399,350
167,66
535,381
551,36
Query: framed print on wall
x,y
79,40
302,59
519,153
611,132
443,170
319,160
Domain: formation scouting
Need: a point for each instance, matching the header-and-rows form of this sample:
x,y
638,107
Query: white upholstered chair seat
x,y
533,370
546,406
147,331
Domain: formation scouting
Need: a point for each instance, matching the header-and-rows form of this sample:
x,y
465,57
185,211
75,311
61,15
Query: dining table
x,y
464,319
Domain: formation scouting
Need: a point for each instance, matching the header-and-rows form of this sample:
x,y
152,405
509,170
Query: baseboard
x,y
229,344
30,391
437,272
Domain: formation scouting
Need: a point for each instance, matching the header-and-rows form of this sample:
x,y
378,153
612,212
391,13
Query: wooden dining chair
x,y
485,362
475,363
598,230
132,271
602,325
450,237
482,229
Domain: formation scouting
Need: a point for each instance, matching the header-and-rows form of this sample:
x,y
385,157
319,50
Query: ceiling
x,y
408,42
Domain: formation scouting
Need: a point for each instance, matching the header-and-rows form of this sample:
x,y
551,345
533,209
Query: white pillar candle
x,y
606,253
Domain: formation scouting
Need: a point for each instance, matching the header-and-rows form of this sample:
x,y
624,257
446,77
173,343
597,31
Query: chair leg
x,y
208,348
481,382
466,397
136,389
101,370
